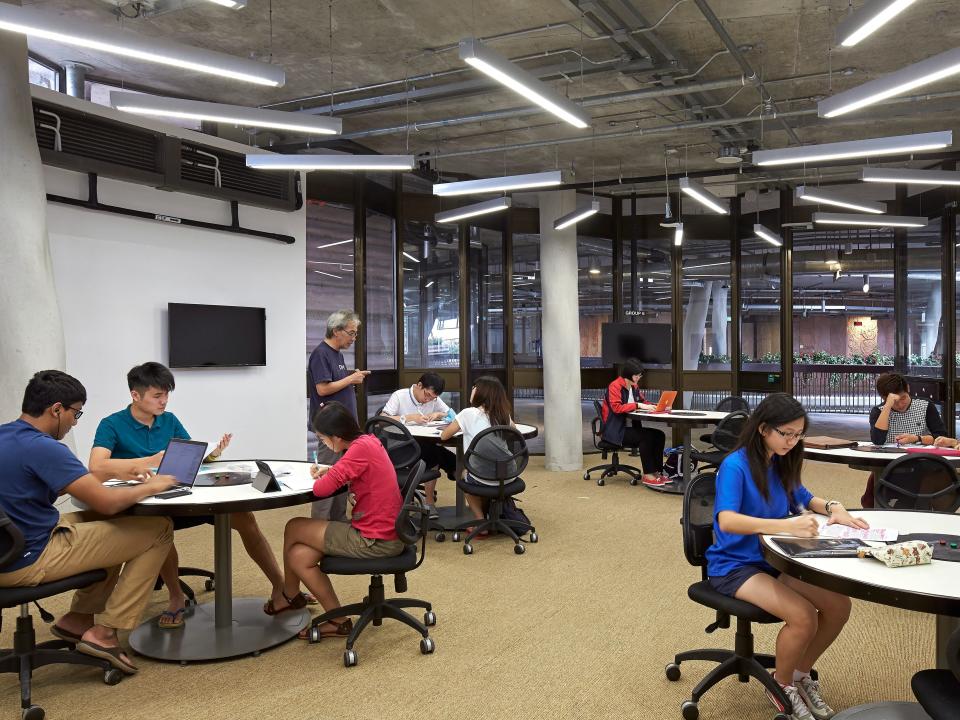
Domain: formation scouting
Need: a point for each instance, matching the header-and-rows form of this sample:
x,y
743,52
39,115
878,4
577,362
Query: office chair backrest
x,y
953,653
727,432
697,520
12,541
918,482
413,522
731,403
597,424
400,445
497,453
379,410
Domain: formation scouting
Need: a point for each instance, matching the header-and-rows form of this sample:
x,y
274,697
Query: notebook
x,y
825,442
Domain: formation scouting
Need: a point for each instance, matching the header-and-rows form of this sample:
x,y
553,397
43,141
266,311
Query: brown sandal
x,y
297,602
343,629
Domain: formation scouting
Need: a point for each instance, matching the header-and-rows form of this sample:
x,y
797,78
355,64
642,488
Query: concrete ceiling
x,y
379,41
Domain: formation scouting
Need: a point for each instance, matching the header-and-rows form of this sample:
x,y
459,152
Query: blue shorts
x,y
731,582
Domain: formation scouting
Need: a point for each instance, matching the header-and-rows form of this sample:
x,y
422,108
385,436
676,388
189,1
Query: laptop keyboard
x,y
176,492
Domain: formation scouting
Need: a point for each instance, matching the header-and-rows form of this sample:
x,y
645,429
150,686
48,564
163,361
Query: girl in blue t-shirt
x,y
759,492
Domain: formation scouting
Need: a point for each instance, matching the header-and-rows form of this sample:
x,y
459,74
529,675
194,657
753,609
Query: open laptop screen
x,y
182,459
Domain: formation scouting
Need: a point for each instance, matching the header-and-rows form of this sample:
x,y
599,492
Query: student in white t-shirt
x,y
489,406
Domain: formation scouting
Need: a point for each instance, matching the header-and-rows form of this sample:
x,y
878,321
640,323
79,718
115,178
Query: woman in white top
x,y
489,406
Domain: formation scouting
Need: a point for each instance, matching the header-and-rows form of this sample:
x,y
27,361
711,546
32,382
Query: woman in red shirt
x,y
373,505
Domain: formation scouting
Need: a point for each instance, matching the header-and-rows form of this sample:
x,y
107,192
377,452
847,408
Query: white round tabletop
x,y
682,417
432,431
864,457
933,588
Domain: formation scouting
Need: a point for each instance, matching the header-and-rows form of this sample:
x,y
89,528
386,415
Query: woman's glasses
x,y
790,436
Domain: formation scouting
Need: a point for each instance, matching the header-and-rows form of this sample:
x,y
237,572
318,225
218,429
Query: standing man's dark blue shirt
x,y
329,365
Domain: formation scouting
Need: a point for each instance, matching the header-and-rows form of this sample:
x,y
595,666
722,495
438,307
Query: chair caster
x,y
429,618
534,537
349,658
781,716
455,537
633,481
600,482
34,712
689,710
440,537
586,476
673,672
519,549
112,676
314,635
467,549
427,646
209,585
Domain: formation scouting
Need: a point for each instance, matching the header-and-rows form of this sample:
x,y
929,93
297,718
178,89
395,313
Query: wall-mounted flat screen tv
x,y
216,335
650,343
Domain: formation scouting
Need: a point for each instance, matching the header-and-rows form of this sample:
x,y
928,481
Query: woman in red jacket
x,y
373,505
624,397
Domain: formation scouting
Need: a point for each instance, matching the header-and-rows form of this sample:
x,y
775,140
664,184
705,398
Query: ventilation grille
x,y
235,176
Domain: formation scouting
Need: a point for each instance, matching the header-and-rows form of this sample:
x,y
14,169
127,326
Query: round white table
x,y
862,459
686,420
933,588
228,626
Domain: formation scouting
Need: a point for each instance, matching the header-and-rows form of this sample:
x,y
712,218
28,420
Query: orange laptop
x,y
666,401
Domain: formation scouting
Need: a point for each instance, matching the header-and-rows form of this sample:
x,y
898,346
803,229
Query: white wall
x,y
115,276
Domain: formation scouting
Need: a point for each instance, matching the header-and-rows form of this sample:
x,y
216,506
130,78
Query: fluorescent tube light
x,y
481,208
499,184
678,235
893,145
165,107
409,256
330,162
572,218
869,220
825,197
69,30
904,80
764,233
520,81
912,177
703,196
232,4
868,19
321,272
429,283
339,242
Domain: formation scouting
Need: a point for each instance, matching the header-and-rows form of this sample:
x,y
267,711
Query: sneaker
x,y
432,509
798,709
655,481
809,690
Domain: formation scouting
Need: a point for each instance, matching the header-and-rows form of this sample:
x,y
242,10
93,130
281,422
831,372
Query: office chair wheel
x,y
633,481
467,549
586,476
429,618
519,549
209,585
673,672
440,537
34,712
112,676
427,646
534,537
689,710
349,658
456,537
314,635
600,482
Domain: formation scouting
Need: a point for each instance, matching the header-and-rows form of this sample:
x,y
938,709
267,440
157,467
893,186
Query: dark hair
x,y
49,387
891,383
492,397
630,368
334,420
774,410
148,375
432,381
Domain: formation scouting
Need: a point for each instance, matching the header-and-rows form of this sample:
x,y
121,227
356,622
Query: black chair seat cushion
x,y
429,475
15,596
514,487
938,691
703,593
712,458
404,562
604,445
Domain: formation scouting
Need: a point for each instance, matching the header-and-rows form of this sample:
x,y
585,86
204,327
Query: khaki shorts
x,y
344,540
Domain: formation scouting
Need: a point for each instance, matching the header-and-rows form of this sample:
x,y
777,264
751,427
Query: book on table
x,y
825,442
819,547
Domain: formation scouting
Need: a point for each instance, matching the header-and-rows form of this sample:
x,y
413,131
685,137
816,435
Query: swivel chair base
x,y
495,523
613,469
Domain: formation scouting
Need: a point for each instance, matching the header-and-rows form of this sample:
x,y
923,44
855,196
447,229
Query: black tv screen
x,y
648,343
216,335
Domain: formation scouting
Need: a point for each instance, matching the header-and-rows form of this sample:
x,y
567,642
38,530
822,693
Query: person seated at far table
x,y
37,469
373,504
130,441
419,404
624,397
902,419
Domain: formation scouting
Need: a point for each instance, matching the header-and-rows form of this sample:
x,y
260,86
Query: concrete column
x,y
563,421
930,328
719,310
694,328
31,335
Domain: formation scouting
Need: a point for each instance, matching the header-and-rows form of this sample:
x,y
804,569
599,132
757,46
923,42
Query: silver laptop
x,y
182,459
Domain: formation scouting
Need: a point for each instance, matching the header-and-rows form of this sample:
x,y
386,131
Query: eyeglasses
x,y
791,436
351,333
77,412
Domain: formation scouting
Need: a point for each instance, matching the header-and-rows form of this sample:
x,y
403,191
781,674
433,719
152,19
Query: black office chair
x,y
606,448
697,521
724,439
499,454
27,654
727,405
938,691
412,527
918,481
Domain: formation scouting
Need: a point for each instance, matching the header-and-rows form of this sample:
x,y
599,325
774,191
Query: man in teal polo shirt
x,y
130,441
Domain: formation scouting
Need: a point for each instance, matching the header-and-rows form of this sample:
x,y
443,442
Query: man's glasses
x,y
77,412
351,333
790,436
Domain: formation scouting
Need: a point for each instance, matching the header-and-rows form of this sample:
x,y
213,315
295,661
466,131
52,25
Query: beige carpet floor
x,y
580,626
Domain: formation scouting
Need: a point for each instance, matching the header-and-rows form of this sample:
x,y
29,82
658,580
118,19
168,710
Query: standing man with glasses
x,y
328,379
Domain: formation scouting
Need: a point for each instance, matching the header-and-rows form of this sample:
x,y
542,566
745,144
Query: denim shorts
x,y
731,582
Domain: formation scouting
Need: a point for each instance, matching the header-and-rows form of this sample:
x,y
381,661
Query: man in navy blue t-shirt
x,y
37,470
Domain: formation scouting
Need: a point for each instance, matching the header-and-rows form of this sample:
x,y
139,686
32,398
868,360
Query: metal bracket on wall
x,y
93,203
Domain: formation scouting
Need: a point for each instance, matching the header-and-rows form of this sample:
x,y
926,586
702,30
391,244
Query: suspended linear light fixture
x,y
764,233
703,196
825,197
165,107
911,177
678,235
823,218
868,19
572,218
272,161
71,31
904,80
866,283
232,4
499,184
482,208
892,145
520,81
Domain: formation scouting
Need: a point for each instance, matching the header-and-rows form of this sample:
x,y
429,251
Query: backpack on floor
x,y
672,465
512,511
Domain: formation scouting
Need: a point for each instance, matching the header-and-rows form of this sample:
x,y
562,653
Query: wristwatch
x,y
830,503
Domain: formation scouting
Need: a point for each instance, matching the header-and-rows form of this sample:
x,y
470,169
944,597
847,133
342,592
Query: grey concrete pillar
x,y
694,328
719,317
563,417
31,335
930,327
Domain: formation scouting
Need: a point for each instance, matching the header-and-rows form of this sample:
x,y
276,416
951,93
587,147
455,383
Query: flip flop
x,y
65,635
343,629
171,619
111,654
311,600
297,602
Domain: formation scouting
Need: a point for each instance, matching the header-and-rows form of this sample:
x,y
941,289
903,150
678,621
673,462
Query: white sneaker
x,y
809,690
798,709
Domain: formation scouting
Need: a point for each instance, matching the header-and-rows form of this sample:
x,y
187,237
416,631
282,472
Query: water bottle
x,y
451,415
